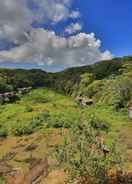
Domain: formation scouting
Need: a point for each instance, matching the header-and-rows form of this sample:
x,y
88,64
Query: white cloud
x,y
106,55
16,16
73,28
54,10
75,14
15,19
40,46
47,48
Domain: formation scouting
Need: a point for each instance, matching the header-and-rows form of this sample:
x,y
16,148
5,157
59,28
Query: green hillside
x,y
49,113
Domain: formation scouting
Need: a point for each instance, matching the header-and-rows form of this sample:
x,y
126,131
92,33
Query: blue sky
x,y
56,34
111,21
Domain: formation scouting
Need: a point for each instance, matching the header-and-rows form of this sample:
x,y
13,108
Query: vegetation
x,y
51,107
40,108
11,79
2,180
83,158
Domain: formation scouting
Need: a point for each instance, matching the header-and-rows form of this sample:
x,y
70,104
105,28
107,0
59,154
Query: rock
x,y
31,147
84,101
130,112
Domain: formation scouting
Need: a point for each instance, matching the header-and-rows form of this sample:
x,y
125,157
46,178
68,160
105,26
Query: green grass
x,y
2,180
48,108
39,108
43,109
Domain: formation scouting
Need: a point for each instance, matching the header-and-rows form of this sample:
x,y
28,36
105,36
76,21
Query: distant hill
x,y
67,79
11,79
105,81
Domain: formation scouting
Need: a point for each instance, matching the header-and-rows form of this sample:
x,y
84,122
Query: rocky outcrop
x,y
8,97
23,91
84,101
13,95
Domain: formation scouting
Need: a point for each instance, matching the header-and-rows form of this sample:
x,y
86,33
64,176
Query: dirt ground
x,y
22,154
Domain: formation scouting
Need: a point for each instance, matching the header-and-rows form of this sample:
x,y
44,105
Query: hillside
x,y
106,81
49,122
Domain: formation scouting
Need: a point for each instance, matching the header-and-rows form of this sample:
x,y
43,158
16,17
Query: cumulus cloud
x,y
17,16
73,28
15,19
54,10
75,14
44,47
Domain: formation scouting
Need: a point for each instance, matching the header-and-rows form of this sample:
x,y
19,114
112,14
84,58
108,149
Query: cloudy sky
x,y
56,34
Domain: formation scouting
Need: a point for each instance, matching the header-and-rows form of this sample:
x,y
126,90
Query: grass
x,y
46,108
2,180
40,108
44,112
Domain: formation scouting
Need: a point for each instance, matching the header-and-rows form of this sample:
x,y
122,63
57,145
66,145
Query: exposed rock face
x,y
84,101
8,97
130,112
13,96
23,91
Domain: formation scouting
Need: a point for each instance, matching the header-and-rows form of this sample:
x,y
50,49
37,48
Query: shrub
x,y
122,92
60,120
4,87
37,96
25,128
82,157
28,109
21,129
3,132
1,101
99,124
117,92
43,116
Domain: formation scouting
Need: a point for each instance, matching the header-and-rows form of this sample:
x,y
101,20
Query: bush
x,y
99,124
60,120
123,93
117,92
29,109
82,157
43,116
4,87
20,128
3,132
1,101
37,96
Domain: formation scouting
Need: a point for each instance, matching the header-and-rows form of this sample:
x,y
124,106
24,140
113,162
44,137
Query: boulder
x,y
84,101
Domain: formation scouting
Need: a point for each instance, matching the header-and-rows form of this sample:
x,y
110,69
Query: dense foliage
x,y
17,78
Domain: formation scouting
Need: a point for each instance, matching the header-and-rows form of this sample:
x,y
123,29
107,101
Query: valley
x,y
35,125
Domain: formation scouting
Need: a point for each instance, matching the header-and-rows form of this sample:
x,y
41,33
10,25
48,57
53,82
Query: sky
x,y
57,34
